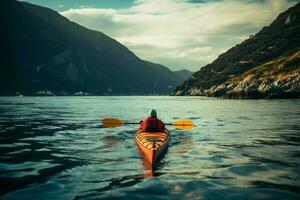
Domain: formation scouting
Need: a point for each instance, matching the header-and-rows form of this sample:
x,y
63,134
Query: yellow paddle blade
x,y
112,122
184,124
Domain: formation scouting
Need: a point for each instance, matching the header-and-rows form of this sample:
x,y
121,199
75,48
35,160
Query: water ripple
x,y
56,148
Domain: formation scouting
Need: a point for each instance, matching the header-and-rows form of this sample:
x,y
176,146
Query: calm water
x,y
56,148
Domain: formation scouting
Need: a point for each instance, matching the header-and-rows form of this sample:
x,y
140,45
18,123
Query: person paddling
x,y
152,123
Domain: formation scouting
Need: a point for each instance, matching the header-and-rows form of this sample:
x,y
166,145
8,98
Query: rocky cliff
x,y
267,65
43,52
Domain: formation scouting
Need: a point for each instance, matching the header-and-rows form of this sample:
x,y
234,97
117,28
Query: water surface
x,y
56,148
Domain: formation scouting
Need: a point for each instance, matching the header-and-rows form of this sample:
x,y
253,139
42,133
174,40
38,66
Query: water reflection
x,y
55,148
112,184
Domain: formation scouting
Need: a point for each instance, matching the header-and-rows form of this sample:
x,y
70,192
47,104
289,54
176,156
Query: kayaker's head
x,y
152,113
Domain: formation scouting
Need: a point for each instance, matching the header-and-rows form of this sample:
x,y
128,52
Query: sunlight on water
x,y
56,148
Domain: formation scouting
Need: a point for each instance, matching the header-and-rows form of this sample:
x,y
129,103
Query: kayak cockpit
x,y
152,144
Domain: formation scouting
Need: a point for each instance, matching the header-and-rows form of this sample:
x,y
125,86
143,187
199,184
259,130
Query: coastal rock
x,y
217,91
266,65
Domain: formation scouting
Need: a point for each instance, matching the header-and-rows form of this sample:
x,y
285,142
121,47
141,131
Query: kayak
x,y
152,144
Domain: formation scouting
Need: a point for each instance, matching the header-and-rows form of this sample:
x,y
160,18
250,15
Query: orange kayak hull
x,y
152,144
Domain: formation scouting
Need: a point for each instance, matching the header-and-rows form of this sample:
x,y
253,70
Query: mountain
x,y
183,74
43,52
267,65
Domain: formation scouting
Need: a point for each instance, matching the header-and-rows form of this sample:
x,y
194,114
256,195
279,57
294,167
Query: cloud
x,y
181,33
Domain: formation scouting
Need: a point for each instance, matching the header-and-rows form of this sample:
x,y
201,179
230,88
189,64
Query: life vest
x,y
151,124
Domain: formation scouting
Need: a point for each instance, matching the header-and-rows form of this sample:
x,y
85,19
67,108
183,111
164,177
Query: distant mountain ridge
x,y
267,65
43,52
184,74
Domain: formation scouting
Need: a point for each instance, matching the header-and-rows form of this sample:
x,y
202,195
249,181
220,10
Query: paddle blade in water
x,y
112,122
184,124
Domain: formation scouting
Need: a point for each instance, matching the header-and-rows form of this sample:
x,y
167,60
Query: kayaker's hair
x,y
153,113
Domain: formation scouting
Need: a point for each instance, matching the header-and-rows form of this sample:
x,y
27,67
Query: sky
x,y
180,34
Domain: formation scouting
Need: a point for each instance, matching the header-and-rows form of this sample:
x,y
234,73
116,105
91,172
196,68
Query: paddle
x,y
113,122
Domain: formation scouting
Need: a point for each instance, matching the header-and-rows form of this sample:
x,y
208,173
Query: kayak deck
x,y
152,144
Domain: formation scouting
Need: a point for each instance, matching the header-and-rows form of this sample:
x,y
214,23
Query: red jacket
x,y
152,124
